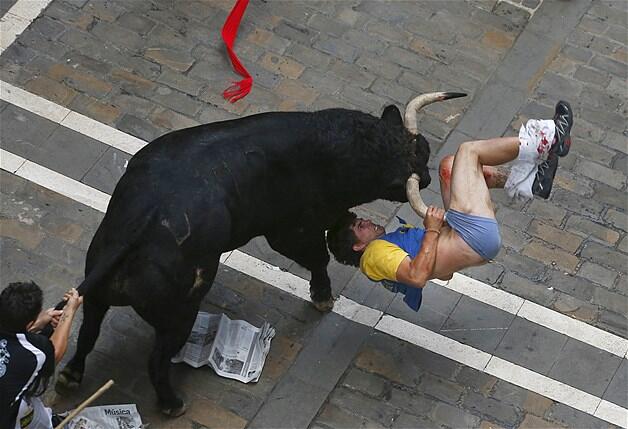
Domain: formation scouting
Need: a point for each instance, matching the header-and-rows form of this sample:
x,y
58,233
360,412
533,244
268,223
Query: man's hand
x,y
434,218
73,299
47,316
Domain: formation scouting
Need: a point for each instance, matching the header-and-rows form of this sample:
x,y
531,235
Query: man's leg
x,y
469,188
495,177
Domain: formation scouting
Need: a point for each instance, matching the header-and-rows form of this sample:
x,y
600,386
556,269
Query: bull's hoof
x,y
68,379
176,410
324,306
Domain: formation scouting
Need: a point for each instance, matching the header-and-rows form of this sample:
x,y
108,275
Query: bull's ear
x,y
392,115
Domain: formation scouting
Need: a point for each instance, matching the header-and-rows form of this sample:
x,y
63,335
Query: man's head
x,y
20,304
349,236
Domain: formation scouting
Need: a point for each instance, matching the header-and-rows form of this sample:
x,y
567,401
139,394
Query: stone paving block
x,y
558,237
617,219
597,274
522,265
438,303
85,152
94,109
409,401
336,417
570,417
51,90
324,359
575,307
476,380
605,256
608,195
572,285
610,300
603,174
364,41
177,101
308,56
364,101
328,25
22,132
454,417
169,120
28,236
585,227
533,422
104,175
211,415
444,390
509,394
406,421
488,273
369,384
585,367
616,391
136,22
372,409
139,128
531,345
80,81
378,362
337,48
503,413
477,324
513,238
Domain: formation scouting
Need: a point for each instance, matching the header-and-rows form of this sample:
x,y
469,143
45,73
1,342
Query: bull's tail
x,y
111,259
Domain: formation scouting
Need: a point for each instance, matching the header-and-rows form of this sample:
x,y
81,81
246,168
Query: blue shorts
x,y
480,233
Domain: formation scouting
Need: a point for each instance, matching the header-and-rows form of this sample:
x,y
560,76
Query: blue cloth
x,y
409,239
480,233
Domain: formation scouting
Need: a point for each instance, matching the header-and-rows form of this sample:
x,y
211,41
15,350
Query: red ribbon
x,y
239,89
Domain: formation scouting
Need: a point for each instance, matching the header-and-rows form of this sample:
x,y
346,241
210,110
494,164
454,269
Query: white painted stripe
x,y
574,328
542,385
270,274
387,324
18,18
33,103
612,413
483,292
10,162
103,133
69,119
63,185
434,342
459,283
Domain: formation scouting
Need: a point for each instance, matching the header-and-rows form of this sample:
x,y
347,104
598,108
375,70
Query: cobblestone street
x,y
535,339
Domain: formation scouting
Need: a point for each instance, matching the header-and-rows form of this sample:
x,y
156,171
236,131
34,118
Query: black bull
x,y
193,194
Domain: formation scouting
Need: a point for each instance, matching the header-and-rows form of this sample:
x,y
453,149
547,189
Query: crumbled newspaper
x,y
107,417
233,348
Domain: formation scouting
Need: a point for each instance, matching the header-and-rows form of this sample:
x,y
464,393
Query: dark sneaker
x,y
544,179
563,120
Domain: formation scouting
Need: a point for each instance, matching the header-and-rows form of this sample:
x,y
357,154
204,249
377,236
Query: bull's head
x,y
416,153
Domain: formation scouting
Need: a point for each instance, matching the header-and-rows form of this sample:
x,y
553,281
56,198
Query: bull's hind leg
x,y
308,249
168,341
93,314
173,325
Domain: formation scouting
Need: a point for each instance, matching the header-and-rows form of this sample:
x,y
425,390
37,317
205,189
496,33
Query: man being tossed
x,y
466,234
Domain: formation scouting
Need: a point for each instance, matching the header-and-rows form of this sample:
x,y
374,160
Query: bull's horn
x,y
416,104
414,197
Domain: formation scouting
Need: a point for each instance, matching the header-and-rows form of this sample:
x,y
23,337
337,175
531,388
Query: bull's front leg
x,y
308,249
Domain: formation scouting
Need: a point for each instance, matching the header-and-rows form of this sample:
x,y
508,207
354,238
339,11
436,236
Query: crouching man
x,y
27,358
466,233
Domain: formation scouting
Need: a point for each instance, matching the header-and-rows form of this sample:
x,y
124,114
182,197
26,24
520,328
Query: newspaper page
x,y
107,417
196,350
233,348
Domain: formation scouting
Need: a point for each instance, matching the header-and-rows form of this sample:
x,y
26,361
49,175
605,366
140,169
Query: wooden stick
x,y
414,197
85,403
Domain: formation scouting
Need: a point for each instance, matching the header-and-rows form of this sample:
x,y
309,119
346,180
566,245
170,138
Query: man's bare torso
x,y
453,254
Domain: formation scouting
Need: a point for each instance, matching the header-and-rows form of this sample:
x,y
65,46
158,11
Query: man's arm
x,y
419,270
61,334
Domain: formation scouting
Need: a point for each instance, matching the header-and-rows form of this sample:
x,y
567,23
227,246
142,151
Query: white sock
x,y
535,141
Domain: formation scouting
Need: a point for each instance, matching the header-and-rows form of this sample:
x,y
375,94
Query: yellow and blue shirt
x,y
382,258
